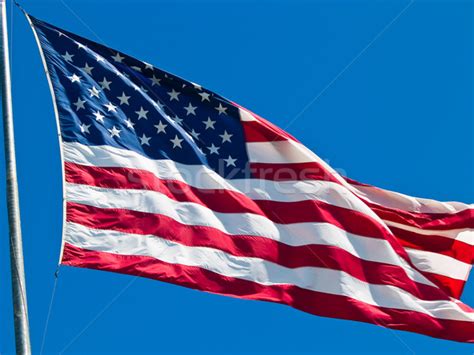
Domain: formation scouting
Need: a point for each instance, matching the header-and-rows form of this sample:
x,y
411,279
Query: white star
x,y
147,65
120,74
87,69
67,57
123,99
197,86
174,95
114,132
190,110
213,149
111,107
155,81
177,119
80,45
118,58
158,104
99,117
75,78
209,123
105,83
136,68
142,113
226,137
94,92
129,123
79,103
176,142
195,134
160,127
85,128
144,140
221,109
230,161
204,96
139,88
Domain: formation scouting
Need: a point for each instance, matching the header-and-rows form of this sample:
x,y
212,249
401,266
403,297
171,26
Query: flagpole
x,y
20,310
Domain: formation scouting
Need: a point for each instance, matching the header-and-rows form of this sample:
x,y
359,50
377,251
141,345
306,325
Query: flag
x,y
168,180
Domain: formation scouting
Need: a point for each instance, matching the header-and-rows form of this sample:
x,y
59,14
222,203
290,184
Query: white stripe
x,y
289,152
293,191
188,213
204,178
260,271
279,152
439,264
245,115
465,235
404,202
106,156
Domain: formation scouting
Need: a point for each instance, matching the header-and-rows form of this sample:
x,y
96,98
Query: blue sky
x,y
391,86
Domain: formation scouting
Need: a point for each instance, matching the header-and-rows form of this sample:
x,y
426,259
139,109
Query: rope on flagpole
x,y
48,316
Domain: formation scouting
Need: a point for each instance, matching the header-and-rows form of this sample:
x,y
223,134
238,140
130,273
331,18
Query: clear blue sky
x,y
399,116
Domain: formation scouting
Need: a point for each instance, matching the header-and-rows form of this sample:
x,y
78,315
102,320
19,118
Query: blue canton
x,y
105,97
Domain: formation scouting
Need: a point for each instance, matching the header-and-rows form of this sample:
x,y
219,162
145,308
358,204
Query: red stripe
x,y
291,172
453,287
235,202
317,303
125,178
279,212
133,222
262,130
439,221
256,131
436,244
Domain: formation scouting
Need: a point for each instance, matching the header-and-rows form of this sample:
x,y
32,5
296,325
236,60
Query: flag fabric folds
x,y
167,180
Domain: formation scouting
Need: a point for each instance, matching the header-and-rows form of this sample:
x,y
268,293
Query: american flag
x,y
168,180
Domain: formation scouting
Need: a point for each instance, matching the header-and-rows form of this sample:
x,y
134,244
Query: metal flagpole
x,y
20,310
